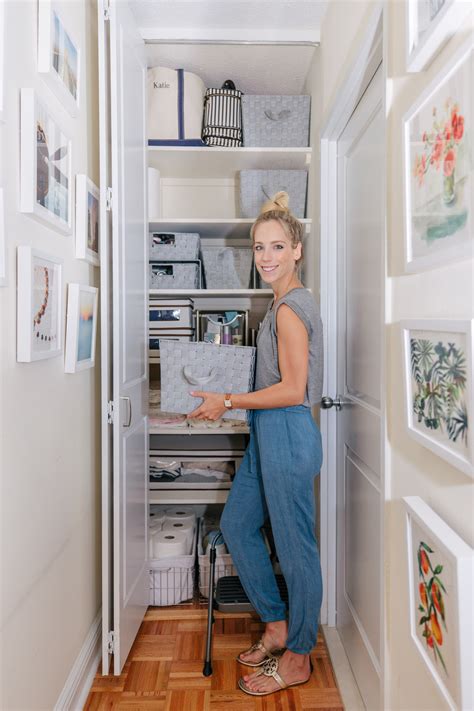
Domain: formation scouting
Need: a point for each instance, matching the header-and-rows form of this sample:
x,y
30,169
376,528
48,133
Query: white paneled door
x,y
361,228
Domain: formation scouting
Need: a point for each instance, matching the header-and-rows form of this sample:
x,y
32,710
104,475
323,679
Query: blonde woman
x,y
284,454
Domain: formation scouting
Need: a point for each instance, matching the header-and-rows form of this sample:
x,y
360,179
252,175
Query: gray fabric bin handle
x,y
268,194
198,380
280,116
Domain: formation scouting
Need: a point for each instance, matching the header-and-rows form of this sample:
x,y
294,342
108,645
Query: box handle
x,y
198,380
280,116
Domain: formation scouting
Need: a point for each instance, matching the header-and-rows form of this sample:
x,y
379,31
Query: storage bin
x,y
276,120
224,565
227,267
222,122
174,246
203,366
175,101
171,314
258,186
172,579
175,275
185,334
216,326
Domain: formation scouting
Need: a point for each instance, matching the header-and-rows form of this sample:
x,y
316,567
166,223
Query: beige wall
x,y
446,292
50,437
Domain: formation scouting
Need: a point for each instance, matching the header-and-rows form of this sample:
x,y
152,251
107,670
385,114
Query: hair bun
x,y
280,201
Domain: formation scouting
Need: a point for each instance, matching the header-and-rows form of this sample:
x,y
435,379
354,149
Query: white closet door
x,y
129,336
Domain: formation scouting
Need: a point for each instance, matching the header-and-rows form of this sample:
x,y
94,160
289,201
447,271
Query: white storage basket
x,y
175,105
175,275
172,579
275,120
258,186
224,565
174,246
227,267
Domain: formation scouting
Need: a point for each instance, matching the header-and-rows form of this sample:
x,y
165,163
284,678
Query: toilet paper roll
x,y
156,517
154,207
169,544
186,526
208,538
181,513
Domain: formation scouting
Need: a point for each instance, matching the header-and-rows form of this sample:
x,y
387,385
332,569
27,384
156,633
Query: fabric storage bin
x,y
170,314
175,100
276,120
258,186
207,367
222,122
227,267
174,246
175,275
224,565
172,579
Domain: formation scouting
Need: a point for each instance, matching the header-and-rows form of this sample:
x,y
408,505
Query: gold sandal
x,y
260,647
270,668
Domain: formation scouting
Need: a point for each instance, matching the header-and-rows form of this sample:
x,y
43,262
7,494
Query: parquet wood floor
x,y
163,671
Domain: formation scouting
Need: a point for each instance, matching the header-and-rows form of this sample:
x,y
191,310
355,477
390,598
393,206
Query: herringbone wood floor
x,y
163,671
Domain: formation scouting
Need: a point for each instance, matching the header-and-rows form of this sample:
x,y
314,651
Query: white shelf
x,y
191,496
155,430
233,228
197,162
158,293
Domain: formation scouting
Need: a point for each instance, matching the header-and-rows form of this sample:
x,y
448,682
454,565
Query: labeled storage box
x,y
175,275
166,314
275,120
172,579
258,186
175,101
224,564
207,367
227,267
174,246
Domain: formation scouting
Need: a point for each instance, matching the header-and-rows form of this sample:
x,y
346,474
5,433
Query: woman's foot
x,y
272,639
292,668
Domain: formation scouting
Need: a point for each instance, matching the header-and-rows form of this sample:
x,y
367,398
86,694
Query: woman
x,y
284,454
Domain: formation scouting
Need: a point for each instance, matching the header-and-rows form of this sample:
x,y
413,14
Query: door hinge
x,y
106,9
108,199
111,642
110,412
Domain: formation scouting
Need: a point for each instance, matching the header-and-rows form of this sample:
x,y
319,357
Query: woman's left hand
x,y
211,409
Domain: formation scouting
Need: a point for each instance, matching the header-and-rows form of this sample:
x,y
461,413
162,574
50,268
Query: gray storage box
x,y
227,267
170,313
275,120
174,246
207,367
175,275
258,186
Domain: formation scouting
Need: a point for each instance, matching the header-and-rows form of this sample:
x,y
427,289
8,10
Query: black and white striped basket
x,y
222,121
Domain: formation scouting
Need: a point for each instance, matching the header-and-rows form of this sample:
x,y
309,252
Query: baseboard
x,y
79,681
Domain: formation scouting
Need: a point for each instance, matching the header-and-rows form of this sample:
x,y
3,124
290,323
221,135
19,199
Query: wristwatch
x,y
228,401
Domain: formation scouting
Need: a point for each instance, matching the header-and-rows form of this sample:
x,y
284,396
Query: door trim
x,y
372,48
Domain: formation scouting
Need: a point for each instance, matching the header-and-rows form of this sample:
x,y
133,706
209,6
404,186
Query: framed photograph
x,y
3,251
439,161
45,183
87,220
39,333
430,24
58,56
440,575
81,327
438,386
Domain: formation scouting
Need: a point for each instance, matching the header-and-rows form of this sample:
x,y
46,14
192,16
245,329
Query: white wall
x,y
446,292
50,437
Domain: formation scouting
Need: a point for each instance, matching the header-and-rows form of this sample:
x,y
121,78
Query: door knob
x,y
327,402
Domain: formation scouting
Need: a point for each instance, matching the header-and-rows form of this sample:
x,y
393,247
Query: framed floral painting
x,y
439,163
429,25
440,578
87,220
81,329
45,165
39,322
438,386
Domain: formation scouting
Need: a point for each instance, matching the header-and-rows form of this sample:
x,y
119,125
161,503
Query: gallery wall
x,y
50,496
444,292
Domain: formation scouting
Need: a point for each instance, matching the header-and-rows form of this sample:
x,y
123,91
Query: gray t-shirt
x,y
267,371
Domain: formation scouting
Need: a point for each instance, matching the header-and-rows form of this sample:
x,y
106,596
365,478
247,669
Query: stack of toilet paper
x,y
171,532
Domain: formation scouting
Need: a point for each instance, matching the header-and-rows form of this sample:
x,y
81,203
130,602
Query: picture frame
x,y
429,25
438,360
39,305
45,166
58,57
3,247
81,328
87,220
440,579
438,133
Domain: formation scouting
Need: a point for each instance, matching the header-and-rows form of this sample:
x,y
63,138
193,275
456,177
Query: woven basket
x,y
258,186
275,120
174,246
203,366
227,267
174,275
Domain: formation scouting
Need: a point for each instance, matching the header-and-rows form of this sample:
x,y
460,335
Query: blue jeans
x,y
275,479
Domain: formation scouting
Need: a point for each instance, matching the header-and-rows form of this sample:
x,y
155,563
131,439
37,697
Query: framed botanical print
x,y
58,56
81,327
39,316
438,358
45,170
440,578
429,25
439,166
87,220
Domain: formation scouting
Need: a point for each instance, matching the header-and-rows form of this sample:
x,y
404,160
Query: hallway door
x,y
360,236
